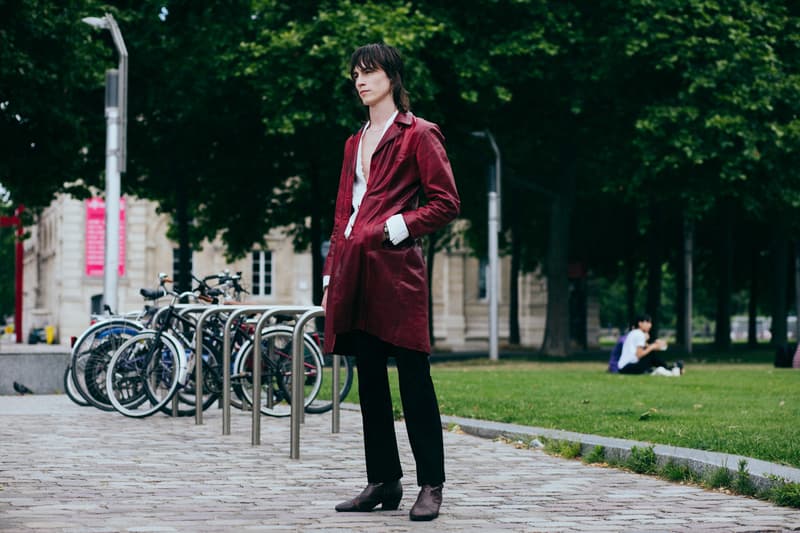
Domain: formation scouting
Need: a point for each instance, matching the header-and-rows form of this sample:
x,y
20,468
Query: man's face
x,y
645,326
372,85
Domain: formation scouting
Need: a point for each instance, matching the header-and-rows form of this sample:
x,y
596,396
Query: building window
x,y
262,273
176,268
483,269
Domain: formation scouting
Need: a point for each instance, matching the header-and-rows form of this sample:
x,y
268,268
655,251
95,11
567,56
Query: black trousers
x,y
420,408
644,364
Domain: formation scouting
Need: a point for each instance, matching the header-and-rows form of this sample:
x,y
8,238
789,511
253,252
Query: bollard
x,y
297,383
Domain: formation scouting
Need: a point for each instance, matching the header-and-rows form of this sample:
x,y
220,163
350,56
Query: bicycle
x,y
93,349
318,390
277,346
146,371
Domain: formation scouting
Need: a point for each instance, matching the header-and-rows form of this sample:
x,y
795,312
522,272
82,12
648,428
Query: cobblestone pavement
x,y
70,468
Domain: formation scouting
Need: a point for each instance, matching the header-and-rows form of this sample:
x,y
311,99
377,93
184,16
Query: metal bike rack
x,y
198,346
335,393
226,360
297,384
255,434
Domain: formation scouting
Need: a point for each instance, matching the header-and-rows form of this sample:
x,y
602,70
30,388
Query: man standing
x,y
638,357
376,296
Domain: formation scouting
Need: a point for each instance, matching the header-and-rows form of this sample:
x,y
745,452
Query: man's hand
x,y
325,300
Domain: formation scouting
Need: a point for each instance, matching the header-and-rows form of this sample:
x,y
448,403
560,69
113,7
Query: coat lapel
x,y
401,122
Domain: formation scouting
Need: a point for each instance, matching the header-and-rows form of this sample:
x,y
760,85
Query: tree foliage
x,y
51,99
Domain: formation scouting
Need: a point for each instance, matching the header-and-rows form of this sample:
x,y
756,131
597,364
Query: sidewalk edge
x,y
762,473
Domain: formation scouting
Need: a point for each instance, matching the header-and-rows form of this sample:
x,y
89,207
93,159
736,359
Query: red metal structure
x,y
16,220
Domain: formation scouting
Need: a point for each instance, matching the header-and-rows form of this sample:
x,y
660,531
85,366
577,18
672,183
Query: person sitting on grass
x,y
638,356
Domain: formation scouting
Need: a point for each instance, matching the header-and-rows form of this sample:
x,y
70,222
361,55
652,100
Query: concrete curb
x,y
762,473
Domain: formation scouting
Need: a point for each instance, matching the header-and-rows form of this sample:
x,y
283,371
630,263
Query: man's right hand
x,y
325,300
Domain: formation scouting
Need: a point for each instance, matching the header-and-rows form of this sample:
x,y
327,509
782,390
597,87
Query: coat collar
x,y
402,119
401,122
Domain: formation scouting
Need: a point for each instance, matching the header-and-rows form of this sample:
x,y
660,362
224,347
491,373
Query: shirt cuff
x,y
325,282
398,231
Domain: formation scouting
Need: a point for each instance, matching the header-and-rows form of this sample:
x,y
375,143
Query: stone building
x,y
62,276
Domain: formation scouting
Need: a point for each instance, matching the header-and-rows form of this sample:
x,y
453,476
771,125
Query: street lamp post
x,y
116,112
494,229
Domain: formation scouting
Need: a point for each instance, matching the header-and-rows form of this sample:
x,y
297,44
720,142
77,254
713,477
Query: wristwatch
x,y
385,232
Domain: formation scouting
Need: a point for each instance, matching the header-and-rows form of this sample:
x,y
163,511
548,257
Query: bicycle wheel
x,y
90,356
212,383
147,366
276,371
71,389
324,402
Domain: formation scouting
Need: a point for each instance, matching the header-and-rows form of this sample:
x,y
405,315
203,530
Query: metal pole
x,y
297,375
122,92
116,141
255,434
335,399
237,311
494,223
111,266
493,279
198,357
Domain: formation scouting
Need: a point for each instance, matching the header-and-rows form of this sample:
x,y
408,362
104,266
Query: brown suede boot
x,y
427,504
387,494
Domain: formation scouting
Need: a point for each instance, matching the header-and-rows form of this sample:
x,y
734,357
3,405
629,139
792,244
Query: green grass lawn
x,y
750,409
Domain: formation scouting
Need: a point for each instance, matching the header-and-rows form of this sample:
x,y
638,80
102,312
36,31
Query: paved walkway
x,y
68,468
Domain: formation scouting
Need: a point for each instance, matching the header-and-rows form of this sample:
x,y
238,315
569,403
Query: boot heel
x,y
391,505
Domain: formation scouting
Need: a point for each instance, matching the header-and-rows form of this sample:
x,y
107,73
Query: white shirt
x,y
634,339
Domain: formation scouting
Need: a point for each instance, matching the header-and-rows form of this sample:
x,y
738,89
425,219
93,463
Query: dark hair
x,y
382,56
641,317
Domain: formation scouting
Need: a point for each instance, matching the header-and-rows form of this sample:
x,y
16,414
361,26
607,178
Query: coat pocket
x,y
395,288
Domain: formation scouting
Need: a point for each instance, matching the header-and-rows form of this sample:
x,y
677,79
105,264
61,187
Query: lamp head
x,y
96,22
479,134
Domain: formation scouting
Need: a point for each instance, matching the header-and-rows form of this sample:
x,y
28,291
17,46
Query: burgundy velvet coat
x,y
374,286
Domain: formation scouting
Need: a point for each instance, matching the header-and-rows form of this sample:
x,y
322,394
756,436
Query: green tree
x,y
719,137
51,100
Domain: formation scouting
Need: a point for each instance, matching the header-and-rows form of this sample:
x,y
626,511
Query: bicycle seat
x,y
152,294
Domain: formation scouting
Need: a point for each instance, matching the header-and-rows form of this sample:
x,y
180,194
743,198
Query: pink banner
x,y
95,236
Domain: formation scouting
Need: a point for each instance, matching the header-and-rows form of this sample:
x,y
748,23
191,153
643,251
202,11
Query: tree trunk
x,y
779,258
513,288
316,237
722,333
797,290
184,281
556,333
654,276
680,291
752,304
630,291
688,286
683,288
